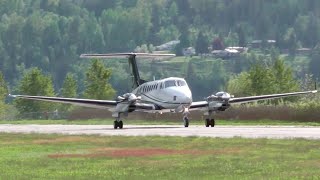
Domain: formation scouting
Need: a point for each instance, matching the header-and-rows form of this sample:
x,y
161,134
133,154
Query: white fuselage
x,y
169,93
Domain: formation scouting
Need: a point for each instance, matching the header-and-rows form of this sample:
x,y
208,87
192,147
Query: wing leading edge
x,y
201,104
92,103
265,97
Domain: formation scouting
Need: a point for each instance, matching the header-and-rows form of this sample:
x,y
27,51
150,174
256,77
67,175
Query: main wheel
x,y
186,122
115,124
120,124
207,122
212,122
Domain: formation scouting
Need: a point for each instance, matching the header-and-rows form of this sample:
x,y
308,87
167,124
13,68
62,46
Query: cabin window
x,y
170,83
160,85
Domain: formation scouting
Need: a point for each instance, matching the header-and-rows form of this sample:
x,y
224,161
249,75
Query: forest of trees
x,y
51,34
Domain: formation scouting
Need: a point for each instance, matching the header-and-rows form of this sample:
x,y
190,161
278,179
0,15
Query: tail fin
x,y
137,81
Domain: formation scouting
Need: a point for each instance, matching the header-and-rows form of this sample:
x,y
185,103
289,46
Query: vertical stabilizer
x,y
136,80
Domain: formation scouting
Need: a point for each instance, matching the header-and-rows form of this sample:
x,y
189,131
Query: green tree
x,y
291,40
201,44
3,88
3,94
35,83
260,80
315,62
97,86
283,77
239,85
69,88
184,41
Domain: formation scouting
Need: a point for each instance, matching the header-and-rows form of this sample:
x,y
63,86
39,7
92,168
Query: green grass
x,y
163,122
95,157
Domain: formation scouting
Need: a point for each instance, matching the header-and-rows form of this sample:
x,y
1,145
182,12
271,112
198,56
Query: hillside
x,y
51,34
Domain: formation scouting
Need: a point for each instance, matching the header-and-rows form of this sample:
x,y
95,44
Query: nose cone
x,y
186,96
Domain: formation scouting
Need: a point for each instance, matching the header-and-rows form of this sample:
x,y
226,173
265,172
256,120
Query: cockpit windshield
x,y
170,83
220,93
181,83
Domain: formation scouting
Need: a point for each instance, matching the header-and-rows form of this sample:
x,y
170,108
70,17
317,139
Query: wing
x,y
202,104
198,104
265,97
92,103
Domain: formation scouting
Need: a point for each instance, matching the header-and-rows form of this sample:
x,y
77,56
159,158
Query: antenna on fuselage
x,y
137,81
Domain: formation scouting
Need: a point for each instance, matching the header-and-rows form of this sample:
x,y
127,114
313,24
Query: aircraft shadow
x,y
162,127
127,128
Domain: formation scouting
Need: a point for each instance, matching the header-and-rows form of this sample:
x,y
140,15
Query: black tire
x,y
212,122
186,122
207,122
120,124
115,124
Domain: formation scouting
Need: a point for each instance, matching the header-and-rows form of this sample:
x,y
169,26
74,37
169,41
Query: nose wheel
x,y
186,121
117,124
210,122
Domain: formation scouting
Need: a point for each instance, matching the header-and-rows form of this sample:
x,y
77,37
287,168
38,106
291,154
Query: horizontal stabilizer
x,y
126,55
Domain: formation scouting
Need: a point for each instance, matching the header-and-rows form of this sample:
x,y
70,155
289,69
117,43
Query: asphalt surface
x,y
277,132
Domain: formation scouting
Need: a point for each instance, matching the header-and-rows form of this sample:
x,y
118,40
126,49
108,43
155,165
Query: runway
x,y
277,132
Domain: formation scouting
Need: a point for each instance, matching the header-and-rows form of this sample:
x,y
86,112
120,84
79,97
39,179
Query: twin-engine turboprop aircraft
x,y
165,95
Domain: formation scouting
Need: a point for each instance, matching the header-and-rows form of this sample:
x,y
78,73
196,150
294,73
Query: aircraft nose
x,y
186,97
189,100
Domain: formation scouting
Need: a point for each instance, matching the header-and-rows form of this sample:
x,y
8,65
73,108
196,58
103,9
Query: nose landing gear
x,y
186,121
118,124
186,113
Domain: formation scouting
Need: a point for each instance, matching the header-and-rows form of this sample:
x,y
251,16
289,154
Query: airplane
x,y
158,96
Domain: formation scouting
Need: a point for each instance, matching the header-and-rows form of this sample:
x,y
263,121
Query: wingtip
x,y
10,95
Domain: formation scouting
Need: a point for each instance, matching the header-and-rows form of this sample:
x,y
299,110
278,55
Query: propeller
x,y
129,97
220,96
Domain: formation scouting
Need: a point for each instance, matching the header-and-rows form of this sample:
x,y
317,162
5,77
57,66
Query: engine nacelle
x,y
219,101
129,97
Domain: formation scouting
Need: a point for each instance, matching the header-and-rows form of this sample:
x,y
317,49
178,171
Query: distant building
x,y
303,51
190,51
229,52
260,43
239,49
169,46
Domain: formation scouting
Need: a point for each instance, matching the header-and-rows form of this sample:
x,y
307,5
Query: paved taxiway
x,y
170,130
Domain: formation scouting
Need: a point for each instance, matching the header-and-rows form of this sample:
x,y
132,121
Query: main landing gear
x,y
210,122
118,124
